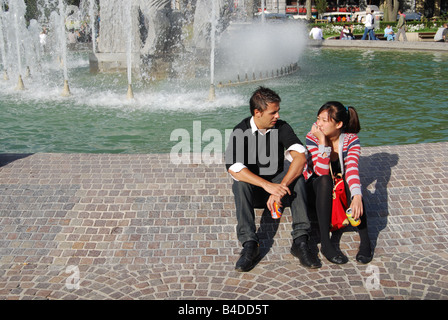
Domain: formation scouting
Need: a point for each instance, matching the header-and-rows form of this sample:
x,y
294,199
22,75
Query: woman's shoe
x,y
363,258
339,258
365,252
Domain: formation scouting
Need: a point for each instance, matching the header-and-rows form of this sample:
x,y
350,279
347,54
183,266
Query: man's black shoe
x,y
249,257
306,257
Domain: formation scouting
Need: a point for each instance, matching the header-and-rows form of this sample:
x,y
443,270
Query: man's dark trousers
x,y
248,197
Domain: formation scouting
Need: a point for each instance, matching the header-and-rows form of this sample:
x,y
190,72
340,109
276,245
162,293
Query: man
x,y
255,159
368,27
401,25
316,33
441,34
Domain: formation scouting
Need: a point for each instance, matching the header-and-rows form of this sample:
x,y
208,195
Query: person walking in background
x,y
368,27
401,25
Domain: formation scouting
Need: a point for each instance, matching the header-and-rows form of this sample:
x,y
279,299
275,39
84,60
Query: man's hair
x,y
260,99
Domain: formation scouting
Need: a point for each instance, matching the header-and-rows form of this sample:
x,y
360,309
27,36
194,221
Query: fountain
x,y
147,40
93,12
62,37
20,48
171,69
213,23
18,12
2,44
167,42
129,30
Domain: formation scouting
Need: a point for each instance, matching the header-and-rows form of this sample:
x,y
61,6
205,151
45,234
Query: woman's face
x,y
328,125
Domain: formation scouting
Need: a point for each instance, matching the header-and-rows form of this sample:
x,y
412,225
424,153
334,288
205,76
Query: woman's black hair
x,y
338,112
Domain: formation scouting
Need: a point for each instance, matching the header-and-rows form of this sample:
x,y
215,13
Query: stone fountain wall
x,y
160,34
150,23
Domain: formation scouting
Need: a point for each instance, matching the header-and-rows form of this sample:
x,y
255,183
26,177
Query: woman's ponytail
x,y
353,125
348,115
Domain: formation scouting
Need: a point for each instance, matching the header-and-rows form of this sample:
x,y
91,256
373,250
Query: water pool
x,y
400,97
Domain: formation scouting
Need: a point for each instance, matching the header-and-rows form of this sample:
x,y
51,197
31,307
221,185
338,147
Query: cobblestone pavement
x,y
89,226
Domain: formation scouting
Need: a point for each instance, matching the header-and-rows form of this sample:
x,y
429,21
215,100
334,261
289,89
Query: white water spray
x,y
263,6
212,51
92,23
66,91
2,43
129,32
17,9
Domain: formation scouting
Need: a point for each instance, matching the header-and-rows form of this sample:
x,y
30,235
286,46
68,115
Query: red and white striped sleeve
x,y
352,152
318,157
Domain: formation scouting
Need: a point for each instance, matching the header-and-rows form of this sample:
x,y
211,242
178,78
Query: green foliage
x,y
321,6
32,10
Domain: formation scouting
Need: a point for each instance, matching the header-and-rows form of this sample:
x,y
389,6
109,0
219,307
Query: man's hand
x,y
276,189
271,200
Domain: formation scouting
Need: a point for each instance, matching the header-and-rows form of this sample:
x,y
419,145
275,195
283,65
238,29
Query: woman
x,y
333,142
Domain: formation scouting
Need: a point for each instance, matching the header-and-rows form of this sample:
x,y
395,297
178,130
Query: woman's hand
x,y
315,130
356,207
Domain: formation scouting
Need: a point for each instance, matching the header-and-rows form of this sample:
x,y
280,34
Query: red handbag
x,y
338,218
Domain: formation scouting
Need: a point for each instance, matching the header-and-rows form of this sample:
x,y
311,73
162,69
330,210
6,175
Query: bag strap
x,y
332,175
331,171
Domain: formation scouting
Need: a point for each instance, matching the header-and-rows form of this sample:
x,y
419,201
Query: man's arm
x,y
245,175
295,170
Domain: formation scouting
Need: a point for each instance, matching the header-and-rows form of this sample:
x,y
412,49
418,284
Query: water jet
x,y
66,91
20,85
130,93
212,95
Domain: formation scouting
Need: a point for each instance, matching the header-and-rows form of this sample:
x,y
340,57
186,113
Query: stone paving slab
x,y
125,226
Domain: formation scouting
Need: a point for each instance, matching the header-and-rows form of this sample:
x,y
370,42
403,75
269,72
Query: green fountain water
x,y
399,97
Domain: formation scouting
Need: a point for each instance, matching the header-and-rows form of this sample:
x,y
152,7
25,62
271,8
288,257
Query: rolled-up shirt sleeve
x,y
237,167
295,147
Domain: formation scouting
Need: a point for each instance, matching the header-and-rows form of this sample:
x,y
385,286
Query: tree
x,y
32,11
321,6
308,9
420,6
392,7
437,4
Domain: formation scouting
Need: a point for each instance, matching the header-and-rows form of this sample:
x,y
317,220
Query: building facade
x,y
294,6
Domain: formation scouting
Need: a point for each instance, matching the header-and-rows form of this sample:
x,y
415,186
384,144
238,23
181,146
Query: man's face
x,y
268,118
